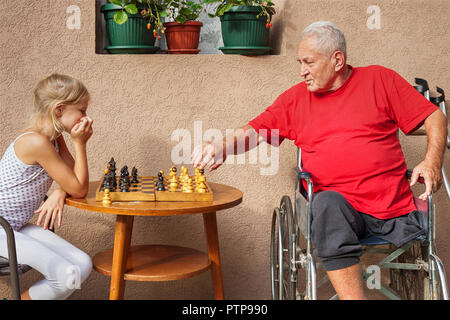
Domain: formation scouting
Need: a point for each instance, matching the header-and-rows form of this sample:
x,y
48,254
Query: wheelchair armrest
x,y
302,174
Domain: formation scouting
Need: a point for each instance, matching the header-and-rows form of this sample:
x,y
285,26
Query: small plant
x,y
267,7
153,10
182,10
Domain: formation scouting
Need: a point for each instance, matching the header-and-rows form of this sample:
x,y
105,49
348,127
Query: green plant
x,y
267,7
153,10
182,10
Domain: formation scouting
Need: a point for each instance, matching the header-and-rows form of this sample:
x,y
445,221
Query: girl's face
x,y
71,114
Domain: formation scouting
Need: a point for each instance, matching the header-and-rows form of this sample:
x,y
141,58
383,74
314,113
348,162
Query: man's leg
x,y
347,283
335,228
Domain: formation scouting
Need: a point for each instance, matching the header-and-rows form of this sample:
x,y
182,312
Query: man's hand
x,y
212,154
431,173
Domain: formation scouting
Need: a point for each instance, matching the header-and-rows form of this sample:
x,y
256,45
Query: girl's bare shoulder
x,y
31,146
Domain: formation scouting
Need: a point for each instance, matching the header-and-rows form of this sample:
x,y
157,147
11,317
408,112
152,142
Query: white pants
x,y
63,265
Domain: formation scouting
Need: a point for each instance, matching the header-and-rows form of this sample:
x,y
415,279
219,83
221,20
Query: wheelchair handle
x,y
441,98
422,84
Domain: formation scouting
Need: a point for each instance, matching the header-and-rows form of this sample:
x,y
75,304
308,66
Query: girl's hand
x,y
82,130
51,210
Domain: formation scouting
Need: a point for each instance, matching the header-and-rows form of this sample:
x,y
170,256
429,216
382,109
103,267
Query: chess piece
x,y
196,175
160,186
106,197
134,175
173,182
184,174
104,178
173,172
160,182
201,186
124,172
188,188
112,164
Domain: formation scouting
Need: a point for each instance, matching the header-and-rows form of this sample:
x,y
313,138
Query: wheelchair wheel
x,y
282,250
413,284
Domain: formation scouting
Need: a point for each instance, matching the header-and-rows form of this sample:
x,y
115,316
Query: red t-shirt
x,y
349,139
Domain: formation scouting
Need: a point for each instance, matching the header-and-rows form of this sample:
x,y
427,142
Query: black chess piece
x,y
124,185
124,172
112,164
160,185
108,184
134,175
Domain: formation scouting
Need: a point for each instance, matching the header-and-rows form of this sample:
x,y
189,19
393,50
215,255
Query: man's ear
x,y
339,60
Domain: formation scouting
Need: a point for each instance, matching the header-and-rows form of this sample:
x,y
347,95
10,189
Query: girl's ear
x,y
58,110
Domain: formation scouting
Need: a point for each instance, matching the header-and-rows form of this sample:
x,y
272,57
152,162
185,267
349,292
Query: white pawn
x,y
106,197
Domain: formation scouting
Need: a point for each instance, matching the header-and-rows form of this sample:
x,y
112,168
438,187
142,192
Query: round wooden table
x,y
158,262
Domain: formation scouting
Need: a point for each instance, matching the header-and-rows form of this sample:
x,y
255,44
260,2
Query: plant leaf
x,y
120,17
131,8
116,2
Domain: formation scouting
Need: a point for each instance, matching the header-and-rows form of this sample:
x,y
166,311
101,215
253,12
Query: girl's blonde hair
x,y
51,92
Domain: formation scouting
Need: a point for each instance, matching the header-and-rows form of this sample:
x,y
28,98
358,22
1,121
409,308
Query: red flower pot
x,y
183,37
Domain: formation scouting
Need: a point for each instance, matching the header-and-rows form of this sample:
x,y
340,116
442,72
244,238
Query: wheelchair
x,y
415,271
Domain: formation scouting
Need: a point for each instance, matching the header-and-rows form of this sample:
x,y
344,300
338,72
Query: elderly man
x,y
345,120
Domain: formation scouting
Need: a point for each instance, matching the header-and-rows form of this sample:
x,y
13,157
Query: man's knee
x,y
326,199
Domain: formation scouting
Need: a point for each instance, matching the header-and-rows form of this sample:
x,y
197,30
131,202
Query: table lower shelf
x,y
156,263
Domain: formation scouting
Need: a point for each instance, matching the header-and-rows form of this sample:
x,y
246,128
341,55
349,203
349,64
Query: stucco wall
x,y
138,101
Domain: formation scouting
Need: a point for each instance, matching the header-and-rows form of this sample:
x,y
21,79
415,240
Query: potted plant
x,y
132,26
183,33
245,25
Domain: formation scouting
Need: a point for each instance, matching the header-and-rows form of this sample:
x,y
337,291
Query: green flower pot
x,y
132,37
242,33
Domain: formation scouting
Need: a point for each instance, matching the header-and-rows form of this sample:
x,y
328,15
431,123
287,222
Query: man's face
x,y
316,68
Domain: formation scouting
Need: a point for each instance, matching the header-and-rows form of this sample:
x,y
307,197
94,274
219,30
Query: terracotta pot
x,y
183,38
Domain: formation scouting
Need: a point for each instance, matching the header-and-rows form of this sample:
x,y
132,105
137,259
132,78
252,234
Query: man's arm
x,y
241,140
430,167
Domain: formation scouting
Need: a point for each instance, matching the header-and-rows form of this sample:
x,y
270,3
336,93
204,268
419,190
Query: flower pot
x,y
242,33
131,37
183,37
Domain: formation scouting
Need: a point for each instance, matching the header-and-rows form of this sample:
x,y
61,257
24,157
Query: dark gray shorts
x,y
337,227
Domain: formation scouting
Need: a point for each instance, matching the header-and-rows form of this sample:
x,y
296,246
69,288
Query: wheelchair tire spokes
x,y
282,252
289,225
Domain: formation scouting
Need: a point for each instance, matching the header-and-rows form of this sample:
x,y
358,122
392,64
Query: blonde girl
x,y
27,169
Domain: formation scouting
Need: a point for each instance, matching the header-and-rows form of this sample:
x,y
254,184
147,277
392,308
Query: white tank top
x,y
22,187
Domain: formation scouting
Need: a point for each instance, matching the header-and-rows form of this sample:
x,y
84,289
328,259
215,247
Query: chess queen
x,y
28,167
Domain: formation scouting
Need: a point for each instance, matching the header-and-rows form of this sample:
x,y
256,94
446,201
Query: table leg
x,y
210,222
122,240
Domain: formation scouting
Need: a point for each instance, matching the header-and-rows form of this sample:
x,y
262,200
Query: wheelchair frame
x,y
286,257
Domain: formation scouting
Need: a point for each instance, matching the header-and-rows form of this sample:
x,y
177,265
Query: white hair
x,y
328,36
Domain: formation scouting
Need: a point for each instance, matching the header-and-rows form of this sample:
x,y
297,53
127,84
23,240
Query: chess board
x,y
145,190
